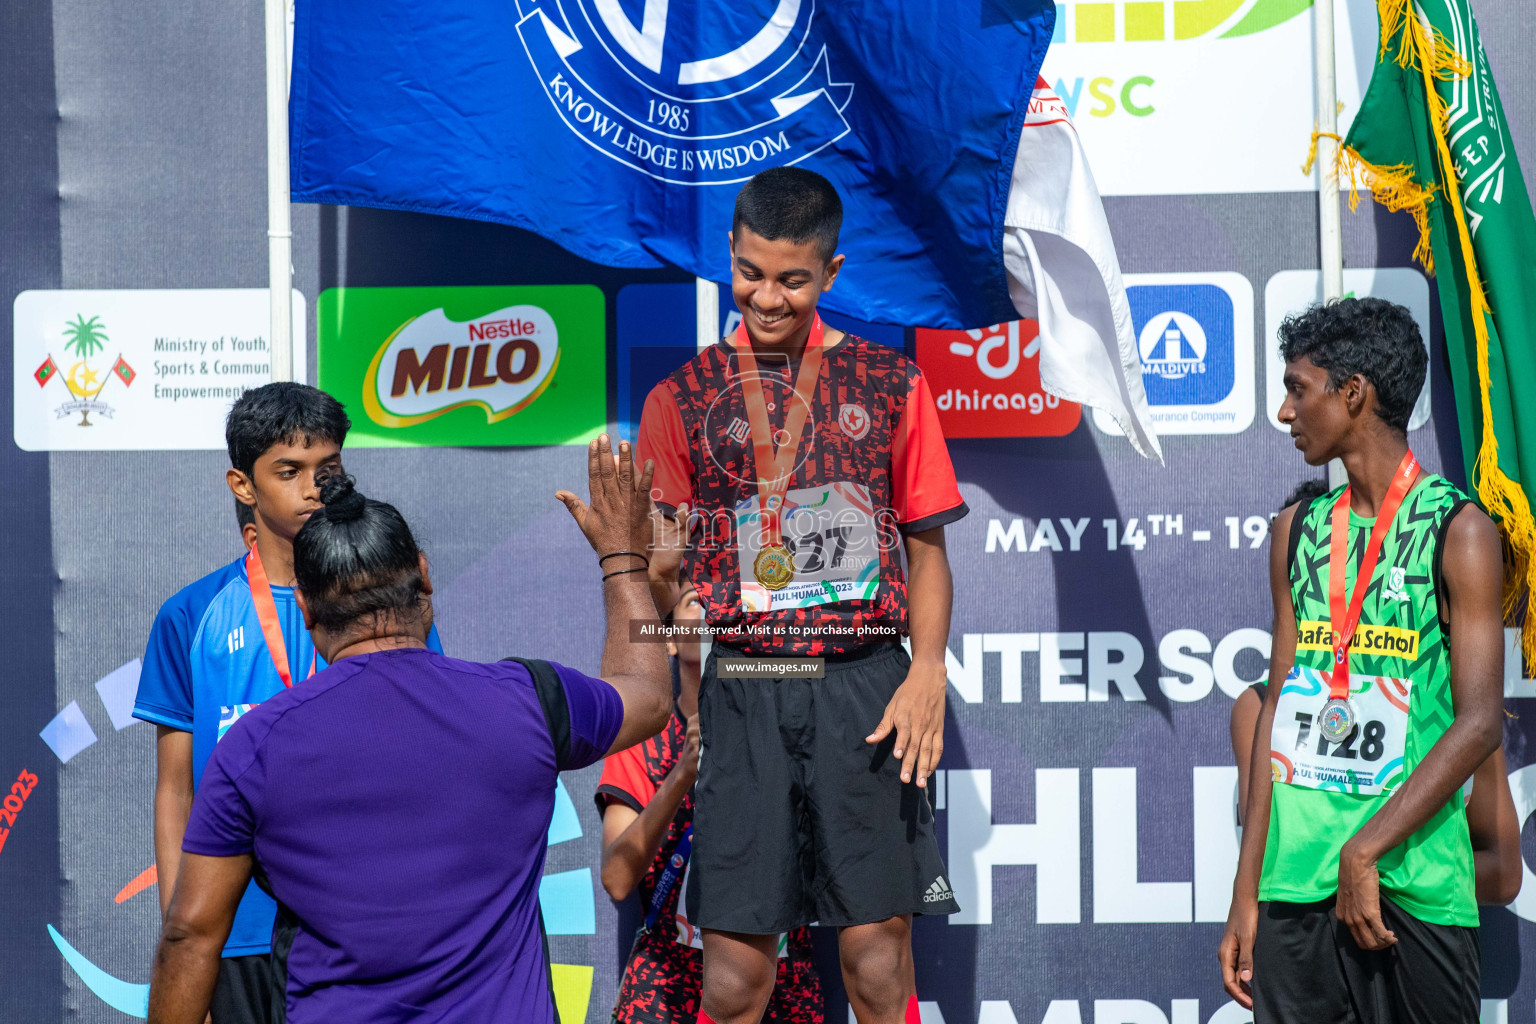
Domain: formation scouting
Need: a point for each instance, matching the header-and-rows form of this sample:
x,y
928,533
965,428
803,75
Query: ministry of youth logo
x,y
694,92
1172,346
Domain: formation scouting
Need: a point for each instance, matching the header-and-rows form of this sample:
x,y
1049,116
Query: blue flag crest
x,y
622,129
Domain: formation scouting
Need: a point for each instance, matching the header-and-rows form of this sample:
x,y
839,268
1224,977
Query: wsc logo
x,y
696,93
1194,334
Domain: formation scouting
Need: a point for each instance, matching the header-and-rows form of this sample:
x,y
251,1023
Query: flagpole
x,y
279,223
706,313
1329,230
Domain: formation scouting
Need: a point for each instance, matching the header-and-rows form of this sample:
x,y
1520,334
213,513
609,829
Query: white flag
x,y
1062,272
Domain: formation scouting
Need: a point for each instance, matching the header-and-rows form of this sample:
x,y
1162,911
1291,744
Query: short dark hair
x,y
791,203
1375,338
281,413
245,514
355,558
1305,493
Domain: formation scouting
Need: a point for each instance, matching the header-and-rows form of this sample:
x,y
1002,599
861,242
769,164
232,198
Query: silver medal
x,y
1337,719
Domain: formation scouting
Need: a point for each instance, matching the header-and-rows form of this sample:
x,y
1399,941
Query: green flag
x,y
1430,138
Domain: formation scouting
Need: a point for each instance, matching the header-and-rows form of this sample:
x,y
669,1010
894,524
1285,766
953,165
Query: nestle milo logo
x,y
500,362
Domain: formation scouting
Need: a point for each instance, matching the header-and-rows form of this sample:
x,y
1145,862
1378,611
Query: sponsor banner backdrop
x,y
138,370
466,366
1177,97
1108,611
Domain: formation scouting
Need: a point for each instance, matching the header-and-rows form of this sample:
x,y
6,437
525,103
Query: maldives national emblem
x,y
697,93
84,338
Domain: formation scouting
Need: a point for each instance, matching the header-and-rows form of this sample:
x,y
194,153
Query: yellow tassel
x,y
1504,499
1394,188
1306,168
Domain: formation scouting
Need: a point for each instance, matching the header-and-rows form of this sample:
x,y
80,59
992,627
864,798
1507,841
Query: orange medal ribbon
x,y
266,614
776,463
1345,622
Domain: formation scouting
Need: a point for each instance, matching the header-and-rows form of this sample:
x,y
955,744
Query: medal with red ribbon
x,y
1338,717
774,454
266,614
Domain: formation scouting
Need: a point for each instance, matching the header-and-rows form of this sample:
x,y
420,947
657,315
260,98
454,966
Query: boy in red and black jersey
x,y
811,462
644,798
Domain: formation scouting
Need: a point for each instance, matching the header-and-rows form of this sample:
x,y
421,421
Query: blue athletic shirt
x,y
205,666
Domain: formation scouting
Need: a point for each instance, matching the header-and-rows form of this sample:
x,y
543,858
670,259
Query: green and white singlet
x,y
1400,683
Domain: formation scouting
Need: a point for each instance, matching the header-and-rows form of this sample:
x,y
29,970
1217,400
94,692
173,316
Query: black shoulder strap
x,y
552,699
557,715
1440,532
1293,542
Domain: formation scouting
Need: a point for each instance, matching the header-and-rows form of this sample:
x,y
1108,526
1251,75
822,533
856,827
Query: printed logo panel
x,y
1194,334
986,382
1292,291
139,370
694,107
1188,97
466,366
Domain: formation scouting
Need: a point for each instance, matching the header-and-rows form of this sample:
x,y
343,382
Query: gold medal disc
x,y
774,567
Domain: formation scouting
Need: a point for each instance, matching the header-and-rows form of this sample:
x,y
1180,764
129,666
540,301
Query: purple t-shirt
x,y
398,805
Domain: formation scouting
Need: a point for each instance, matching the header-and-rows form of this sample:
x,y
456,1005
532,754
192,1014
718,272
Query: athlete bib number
x,y
1367,761
830,533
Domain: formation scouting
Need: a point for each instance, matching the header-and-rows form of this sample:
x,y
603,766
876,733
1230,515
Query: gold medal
x,y
774,567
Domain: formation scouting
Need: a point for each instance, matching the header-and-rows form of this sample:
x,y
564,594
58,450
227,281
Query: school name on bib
x,y
1386,641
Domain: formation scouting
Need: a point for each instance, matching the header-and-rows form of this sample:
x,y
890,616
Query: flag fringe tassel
x,y
1395,188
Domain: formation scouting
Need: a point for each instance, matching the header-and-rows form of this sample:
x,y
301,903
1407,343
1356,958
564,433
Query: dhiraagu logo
x,y
466,366
1193,96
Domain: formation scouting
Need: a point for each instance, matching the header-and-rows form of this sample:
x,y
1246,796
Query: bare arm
x,y
1495,832
1244,727
1473,570
173,805
631,839
916,710
197,925
618,519
1236,951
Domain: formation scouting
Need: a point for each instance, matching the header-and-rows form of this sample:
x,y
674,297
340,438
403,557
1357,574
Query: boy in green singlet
x,y
1355,892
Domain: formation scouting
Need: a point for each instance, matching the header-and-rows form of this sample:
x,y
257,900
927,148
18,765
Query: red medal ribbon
x,y
266,614
774,467
1344,623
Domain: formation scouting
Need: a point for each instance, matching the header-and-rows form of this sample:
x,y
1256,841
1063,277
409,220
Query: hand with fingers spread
x,y
916,715
1359,901
616,517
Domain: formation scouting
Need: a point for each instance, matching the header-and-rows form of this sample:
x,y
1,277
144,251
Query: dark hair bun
x,y
338,493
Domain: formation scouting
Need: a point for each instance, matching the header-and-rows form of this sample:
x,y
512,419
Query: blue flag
x,y
623,129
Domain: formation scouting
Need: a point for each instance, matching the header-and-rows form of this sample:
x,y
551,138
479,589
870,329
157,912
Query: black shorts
x,y
248,992
796,818
1308,970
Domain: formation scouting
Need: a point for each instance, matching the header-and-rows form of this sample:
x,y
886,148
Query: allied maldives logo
x,y
1186,337
500,363
986,382
693,92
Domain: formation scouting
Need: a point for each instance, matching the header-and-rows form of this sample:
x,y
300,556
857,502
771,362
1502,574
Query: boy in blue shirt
x,y
233,639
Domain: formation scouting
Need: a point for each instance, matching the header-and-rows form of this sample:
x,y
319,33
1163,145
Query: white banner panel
x,y
138,370
1200,96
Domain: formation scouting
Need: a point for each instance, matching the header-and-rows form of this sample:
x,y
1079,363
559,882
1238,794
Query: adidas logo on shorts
x,y
938,892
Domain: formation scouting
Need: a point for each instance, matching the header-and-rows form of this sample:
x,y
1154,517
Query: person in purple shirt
x,y
396,806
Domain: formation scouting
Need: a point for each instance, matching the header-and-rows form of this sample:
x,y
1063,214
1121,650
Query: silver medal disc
x,y
1337,719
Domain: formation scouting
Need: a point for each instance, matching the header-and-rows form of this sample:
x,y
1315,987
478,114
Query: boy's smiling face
x,y
776,284
282,485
